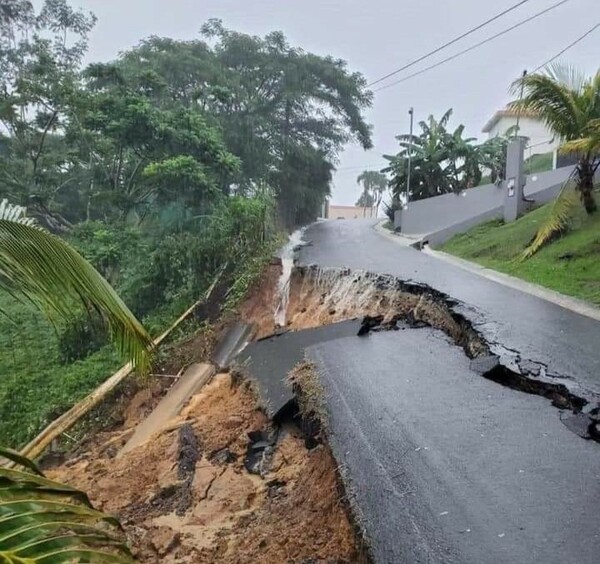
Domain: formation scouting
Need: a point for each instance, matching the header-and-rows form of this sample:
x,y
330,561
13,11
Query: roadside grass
x,y
570,265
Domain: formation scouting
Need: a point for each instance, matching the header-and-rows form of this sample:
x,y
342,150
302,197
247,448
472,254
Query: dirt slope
x,y
218,511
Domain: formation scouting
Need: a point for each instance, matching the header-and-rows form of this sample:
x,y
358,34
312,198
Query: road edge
x,y
567,302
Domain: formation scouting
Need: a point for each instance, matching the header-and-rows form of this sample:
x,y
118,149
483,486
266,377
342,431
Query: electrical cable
x,y
452,42
473,47
578,40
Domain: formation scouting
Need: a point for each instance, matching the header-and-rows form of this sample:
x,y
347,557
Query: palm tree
x,y
374,186
42,520
569,104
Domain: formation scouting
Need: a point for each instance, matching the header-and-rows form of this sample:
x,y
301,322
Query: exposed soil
x,y
325,296
259,307
186,495
219,483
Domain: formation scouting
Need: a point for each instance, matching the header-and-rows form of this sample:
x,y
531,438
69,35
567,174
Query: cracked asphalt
x,y
442,465
518,326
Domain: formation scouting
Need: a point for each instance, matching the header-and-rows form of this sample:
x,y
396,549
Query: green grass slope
x,y
570,265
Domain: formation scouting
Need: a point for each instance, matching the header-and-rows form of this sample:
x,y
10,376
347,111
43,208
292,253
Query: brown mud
x,y
189,493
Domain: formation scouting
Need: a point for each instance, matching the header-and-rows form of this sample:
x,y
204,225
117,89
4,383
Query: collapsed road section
x,y
443,457
439,456
322,298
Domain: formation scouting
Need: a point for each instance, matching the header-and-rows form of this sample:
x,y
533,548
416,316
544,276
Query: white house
x,y
541,139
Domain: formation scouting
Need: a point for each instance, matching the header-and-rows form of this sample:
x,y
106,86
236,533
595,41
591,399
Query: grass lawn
x,y
570,265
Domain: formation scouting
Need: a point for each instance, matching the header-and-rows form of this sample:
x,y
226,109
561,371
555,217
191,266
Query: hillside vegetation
x,y
570,264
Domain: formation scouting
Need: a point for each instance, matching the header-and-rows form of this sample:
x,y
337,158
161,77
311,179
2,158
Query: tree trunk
x,y
586,186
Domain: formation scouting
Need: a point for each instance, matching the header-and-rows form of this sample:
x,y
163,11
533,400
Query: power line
x,y
578,40
452,42
473,47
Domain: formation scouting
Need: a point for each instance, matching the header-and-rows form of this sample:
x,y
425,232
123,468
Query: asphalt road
x,y
517,325
444,466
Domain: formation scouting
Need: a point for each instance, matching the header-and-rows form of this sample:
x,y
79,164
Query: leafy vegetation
x,y
51,275
176,161
443,161
569,104
45,521
570,264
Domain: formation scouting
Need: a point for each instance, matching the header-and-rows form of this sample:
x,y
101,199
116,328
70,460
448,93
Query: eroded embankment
x,y
222,482
320,296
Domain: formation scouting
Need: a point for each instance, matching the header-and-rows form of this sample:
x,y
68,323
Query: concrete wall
x,y
438,219
350,212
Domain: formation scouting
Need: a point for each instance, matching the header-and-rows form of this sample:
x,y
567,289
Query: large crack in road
x,y
318,297
443,457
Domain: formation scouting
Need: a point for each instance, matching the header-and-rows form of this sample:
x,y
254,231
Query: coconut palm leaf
x,y
590,144
45,521
551,97
48,272
558,221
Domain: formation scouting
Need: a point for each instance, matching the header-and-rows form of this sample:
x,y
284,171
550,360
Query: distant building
x,y
541,139
349,212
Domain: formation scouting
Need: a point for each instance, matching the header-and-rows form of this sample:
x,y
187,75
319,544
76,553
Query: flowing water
x,y
287,256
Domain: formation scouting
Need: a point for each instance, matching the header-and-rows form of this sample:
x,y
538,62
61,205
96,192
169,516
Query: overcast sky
x,y
376,37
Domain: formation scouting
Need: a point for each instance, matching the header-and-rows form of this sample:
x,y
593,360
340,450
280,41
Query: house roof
x,y
506,112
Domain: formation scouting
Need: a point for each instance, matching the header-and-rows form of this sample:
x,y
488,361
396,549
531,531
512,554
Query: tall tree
x,y
40,54
281,110
145,155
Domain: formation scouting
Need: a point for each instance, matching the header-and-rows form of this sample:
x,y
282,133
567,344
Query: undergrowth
x,y
45,370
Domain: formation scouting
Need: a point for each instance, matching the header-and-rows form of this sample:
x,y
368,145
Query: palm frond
x,y
567,75
557,223
588,144
45,521
552,101
13,212
56,279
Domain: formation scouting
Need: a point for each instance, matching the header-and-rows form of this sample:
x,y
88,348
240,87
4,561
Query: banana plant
x,y
43,521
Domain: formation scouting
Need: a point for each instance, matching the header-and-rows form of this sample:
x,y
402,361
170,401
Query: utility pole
x,y
411,113
518,126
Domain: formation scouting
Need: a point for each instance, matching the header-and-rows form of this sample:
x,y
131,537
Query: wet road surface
x,y
517,325
442,465
447,467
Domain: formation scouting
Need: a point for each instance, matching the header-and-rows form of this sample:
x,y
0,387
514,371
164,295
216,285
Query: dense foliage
x,y
175,161
183,123
443,161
